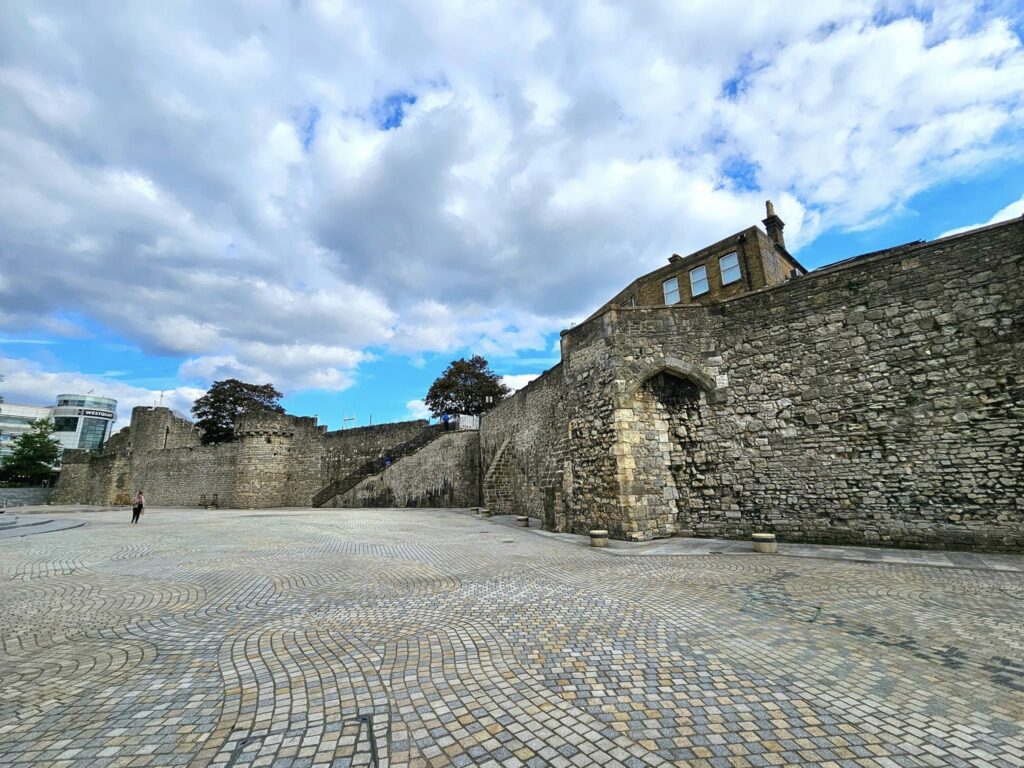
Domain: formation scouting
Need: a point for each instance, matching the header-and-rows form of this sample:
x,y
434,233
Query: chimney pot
x,y
774,225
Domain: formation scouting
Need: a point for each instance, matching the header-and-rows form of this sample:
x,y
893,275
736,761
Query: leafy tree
x,y
465,387
217,411
34,455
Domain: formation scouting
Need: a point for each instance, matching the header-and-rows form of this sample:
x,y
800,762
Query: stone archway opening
x,y
669,463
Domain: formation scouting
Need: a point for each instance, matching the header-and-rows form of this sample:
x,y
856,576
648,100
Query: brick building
x,y
743,262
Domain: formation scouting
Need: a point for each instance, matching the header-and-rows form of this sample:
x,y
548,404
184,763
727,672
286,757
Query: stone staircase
x,y
372,467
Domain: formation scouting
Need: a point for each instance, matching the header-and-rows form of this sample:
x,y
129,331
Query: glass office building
x,y
79,421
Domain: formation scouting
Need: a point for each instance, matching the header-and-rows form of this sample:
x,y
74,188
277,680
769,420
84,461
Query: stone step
x,y
20,522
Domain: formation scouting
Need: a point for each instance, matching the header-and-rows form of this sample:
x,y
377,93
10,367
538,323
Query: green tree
x,y
217,411
33,457
466,386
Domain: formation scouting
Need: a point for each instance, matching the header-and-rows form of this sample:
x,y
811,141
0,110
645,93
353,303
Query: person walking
x,y
137,506
445,418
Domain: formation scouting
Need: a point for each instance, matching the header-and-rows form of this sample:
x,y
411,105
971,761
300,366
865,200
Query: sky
x,y
342,197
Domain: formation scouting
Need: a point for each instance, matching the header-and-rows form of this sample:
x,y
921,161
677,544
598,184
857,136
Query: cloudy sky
x,y
340,197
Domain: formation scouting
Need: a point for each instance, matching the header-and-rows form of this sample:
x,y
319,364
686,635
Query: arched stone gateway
x,y
661,419
671,468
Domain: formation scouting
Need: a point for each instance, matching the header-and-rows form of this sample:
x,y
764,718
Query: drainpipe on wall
x,y
746,261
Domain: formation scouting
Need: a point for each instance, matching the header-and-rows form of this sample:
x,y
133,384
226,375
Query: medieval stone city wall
x,y
276,460
521,445
875,401
444,473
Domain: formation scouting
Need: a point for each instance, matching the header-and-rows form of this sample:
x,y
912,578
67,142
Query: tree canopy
x,y
217,411
33,457
465,387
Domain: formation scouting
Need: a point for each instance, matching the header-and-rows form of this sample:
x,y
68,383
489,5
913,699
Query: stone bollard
x,y
765,543
599,538
522,521
484,512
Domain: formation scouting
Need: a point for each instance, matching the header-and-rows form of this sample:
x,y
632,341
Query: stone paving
x,y
307,638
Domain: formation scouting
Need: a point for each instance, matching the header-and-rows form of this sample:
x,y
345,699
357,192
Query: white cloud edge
x,y
1014,210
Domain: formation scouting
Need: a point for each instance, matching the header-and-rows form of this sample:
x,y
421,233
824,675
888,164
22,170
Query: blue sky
x,y
343,198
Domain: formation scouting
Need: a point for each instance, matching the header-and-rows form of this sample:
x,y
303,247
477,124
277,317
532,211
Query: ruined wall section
x,y
522,444
878,401
444,473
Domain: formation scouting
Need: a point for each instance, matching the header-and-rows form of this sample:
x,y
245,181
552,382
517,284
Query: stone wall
x,y
154,428
23,497
334,455
522,442
185,476
95,478
443,473
277,460
877,401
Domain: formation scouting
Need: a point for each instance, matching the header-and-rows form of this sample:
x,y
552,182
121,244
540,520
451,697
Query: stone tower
x,y
265,446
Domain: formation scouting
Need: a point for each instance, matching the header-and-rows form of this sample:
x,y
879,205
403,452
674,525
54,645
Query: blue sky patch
x,y
307,126
390,112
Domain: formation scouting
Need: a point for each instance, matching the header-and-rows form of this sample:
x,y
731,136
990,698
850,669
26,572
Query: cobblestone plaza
x,y
315,638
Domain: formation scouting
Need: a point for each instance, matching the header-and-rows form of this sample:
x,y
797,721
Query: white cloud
x,y
1014,210
224,201
27,382
515,381
417,409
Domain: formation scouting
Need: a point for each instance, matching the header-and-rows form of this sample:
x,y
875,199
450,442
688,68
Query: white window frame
x,y
669,291
703,278
735,265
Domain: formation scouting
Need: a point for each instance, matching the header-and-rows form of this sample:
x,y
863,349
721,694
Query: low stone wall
x,y
24,497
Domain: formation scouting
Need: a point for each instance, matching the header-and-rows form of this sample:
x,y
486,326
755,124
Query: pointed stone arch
x,y
658,426
684,370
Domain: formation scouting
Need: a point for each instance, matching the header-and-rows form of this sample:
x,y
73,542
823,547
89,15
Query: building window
x,y
671,289
698,281
730,266
65,423
93,431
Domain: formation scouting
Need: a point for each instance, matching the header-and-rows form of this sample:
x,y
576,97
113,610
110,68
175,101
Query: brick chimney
x,y
774,225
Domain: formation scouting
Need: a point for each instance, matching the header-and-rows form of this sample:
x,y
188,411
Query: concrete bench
x,y
485,512
522,521
765,543
599,538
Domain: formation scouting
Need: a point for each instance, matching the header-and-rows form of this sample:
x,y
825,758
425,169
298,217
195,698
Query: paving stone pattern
x,y
288,638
